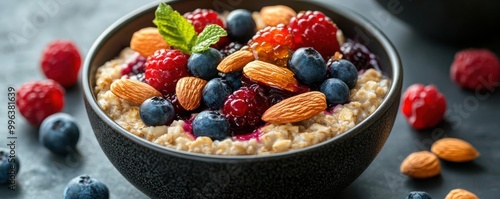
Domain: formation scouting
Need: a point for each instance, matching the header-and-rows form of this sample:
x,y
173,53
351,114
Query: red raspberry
x,y
36,100
164,68
475,69
203,17
61,61
314,29
272,44
244,108
423,106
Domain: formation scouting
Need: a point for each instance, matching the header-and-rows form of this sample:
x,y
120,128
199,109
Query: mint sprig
x,y
181,35
210,35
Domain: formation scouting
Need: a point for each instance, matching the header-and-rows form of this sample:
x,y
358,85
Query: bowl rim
x,y
390,98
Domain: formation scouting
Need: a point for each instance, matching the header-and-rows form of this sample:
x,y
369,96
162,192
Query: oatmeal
x,y
365,97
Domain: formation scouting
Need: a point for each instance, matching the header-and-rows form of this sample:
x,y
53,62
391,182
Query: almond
x,y
133,91
296,108
271,75
147,40
454,150
422,164
236,61
274,15
460,194
189,92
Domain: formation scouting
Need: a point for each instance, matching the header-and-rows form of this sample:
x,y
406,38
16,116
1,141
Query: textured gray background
x,y
27,26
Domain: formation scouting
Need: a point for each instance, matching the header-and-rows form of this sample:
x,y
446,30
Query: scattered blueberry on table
x,y
85,187
59,133
9,166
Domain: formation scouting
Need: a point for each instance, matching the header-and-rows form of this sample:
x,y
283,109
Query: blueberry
x,y
211,124
215,92
344,70
157,111
240,25
85,187
335,90
233,79
418,195
9,166
59,133
204,64
308,66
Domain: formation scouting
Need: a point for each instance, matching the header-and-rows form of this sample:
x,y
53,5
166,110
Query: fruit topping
x,y
204,64
147,40
61,61
164,68
308,66
9,166
344,70
423,106
36,100
85,187
244,107
272,44
359,55
240,25
215,93
475,69
157,111
200,18
335,90
314,29
134,67
231,48
233,79
59,133
211,124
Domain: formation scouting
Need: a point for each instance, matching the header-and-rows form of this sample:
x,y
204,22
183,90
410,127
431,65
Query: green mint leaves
x,y
210,35
180,34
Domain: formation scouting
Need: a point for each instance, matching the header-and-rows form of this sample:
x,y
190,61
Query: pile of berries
x,y
232,103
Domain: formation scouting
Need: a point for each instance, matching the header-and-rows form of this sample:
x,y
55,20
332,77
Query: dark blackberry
x,y
231,48
359,55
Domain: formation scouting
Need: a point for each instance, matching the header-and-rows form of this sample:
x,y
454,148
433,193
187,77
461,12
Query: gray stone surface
x,y
27,26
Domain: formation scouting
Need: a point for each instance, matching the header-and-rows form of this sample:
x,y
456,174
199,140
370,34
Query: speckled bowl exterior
x,y
314,172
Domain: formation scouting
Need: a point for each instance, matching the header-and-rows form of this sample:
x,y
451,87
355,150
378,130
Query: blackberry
x,y
230,48
359,55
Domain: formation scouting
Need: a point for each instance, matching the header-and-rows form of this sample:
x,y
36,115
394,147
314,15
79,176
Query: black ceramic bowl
x,y
449,21
317,171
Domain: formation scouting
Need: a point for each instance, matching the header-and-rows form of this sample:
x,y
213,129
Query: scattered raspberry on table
x,y
36,100
61,61
475,69
423,106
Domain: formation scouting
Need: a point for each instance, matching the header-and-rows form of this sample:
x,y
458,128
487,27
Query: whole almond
x,y
147,40
296,108
133,91
454,150
422,164
271,75
189,92
460,194
274,15
236,61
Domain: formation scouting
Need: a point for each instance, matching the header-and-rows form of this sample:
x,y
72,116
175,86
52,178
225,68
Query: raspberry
x,y
134,67
230,49
244,108
203,17
272,44
314,29
359,55
164,68
475,69
36,100
423,106
61,61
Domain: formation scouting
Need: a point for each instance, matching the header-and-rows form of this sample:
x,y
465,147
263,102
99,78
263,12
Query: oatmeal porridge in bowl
x,y
260,95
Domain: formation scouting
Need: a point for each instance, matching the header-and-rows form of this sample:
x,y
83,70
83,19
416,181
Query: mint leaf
x,y
175,29
210,35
